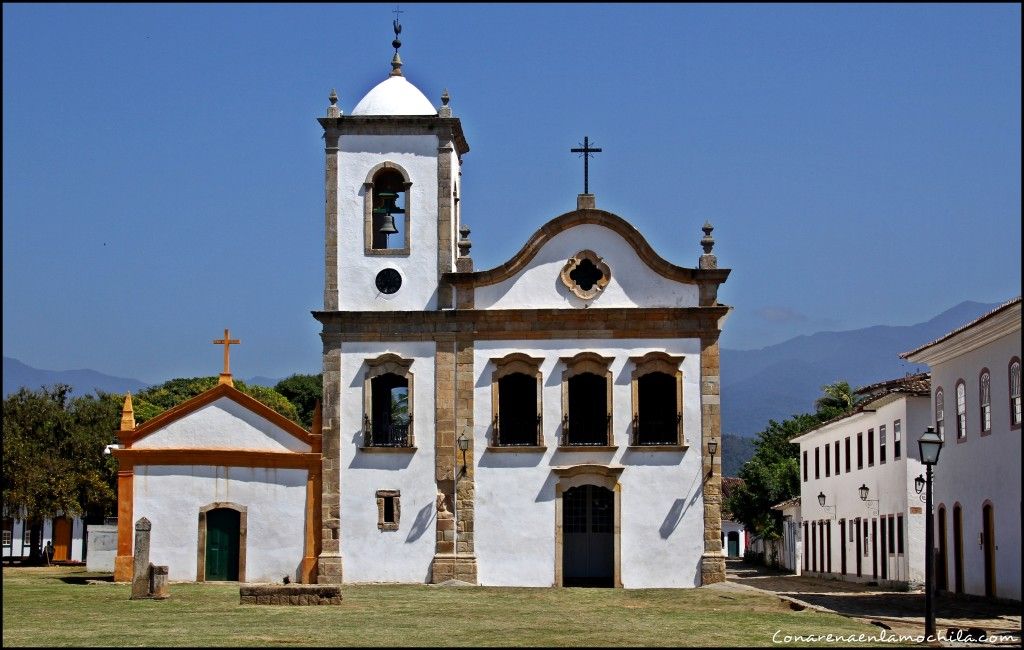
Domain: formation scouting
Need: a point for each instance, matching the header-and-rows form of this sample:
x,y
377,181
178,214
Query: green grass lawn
x,y
55,606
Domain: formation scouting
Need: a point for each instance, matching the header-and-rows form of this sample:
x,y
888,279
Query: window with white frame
x,y
8,533
881,444
961,410
26,537
940,412
1015,413
985,399
897,439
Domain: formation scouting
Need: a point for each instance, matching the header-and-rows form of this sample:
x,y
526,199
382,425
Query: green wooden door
x,y
222,529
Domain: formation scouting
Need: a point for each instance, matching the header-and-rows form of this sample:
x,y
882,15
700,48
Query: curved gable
x,y
639,276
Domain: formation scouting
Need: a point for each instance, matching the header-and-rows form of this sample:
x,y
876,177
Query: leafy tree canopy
x,y
304,391
153,401
53,453
772,475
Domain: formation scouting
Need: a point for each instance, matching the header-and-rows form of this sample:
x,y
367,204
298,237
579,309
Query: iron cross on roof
x,y
587,151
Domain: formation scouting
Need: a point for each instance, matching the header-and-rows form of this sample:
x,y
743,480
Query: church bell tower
x,y
392,192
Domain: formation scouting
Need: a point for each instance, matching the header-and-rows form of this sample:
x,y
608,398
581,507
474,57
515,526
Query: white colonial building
x,y
880,538
976,405
229,486
539,423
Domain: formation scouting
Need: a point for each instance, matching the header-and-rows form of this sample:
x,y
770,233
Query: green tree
x,y
154,400
53,455
838,399
304,391
772,475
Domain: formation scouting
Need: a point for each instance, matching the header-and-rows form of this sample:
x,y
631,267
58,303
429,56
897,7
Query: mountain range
x,y
778,381
774,382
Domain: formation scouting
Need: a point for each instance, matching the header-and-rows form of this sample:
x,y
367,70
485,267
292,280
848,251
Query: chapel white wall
x,y
171,497
417,155
662,518
226,424
372,555
632,284
981,468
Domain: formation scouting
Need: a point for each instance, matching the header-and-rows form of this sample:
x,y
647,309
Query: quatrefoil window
x,y
586,275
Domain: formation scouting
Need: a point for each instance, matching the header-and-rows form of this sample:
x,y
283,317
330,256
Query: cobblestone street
x,y
899,612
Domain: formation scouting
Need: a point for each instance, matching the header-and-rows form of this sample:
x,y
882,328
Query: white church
x,y
552,421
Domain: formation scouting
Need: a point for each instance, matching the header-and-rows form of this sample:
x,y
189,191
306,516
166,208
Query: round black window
x,y
389,281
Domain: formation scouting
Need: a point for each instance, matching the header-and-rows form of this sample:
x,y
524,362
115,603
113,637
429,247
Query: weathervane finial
x,y
396,61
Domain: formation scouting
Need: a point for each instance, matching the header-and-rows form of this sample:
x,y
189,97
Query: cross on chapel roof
x,y
227,342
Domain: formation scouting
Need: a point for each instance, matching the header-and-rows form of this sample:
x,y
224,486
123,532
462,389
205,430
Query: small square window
x,y
388,509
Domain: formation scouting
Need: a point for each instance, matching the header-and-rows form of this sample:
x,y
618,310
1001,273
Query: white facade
x,y
632,284
410,548
734,538
978,469
790,547
515,492
420,511
219,451
891,521
416,155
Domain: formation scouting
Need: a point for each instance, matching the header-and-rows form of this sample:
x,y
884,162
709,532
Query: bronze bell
x,y
387,225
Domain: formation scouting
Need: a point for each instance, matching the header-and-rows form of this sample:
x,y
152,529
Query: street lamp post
x,y
929,444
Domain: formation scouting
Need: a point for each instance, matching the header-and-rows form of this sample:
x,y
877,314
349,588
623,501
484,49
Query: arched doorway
x,y
222,542
733,541
587,515
989,542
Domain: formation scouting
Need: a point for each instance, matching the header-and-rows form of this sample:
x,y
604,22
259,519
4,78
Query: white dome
x,y
394,96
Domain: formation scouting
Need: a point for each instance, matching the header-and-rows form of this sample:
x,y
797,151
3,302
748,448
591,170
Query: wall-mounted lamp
x,y
712,448
463,446
919,484
863,489
821,502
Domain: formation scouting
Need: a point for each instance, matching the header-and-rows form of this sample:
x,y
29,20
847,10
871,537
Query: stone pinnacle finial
x,y
396,61
333,110
708,260
464,262
127,414
446,110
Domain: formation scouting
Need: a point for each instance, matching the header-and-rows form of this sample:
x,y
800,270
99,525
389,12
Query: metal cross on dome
x,y
586,151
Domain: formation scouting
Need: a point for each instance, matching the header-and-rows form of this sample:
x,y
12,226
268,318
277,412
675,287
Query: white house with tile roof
x,y
976,406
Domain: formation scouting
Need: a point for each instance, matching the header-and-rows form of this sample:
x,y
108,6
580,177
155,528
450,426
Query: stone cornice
x,y
505,324
611,221
396,125
988,328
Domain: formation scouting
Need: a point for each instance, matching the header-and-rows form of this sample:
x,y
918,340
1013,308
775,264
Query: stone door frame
x,y
605,476
242,535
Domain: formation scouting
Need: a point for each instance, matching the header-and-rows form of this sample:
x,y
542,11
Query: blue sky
x,y
163,168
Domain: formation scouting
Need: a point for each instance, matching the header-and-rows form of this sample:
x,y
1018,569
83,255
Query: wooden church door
x,y
222,533
588,536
